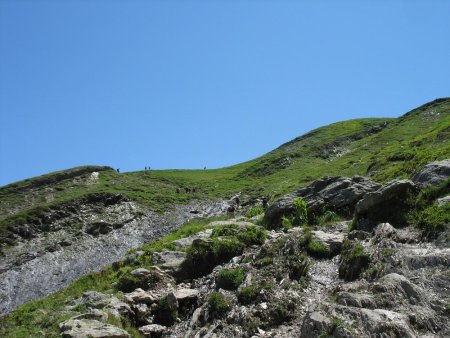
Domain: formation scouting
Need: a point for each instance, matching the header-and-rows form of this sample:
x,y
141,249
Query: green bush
x,y
203,256
255,211
433,219
230,279
286,223
167,313
327,217
300,212
388,252
248,294
249,235
298,266
314,248
281,312
217,304
129,283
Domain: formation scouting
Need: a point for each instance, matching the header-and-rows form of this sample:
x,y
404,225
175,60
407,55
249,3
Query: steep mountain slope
x,y
59,226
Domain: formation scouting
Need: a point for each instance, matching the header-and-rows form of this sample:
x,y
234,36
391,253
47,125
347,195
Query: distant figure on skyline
x,y
118,170
204,168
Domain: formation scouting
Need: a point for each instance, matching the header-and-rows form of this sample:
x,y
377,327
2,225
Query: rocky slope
x,y
46,260
369,274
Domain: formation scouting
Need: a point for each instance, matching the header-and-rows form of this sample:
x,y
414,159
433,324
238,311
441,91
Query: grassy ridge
x,y
381,148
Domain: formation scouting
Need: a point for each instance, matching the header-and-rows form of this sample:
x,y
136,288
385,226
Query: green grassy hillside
x,y
381,148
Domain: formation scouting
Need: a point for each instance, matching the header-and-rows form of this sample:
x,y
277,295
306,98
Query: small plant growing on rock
x,y
313,247
300,212
388,252
217,305
128,283
286,223
230,279
327,217
354,260
167,310
299,267
281,312
255,211
248,294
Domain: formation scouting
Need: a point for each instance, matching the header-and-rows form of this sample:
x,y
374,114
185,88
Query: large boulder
x,y
384,205
152,330
84,328
169,260
396,289
433,173
141,296
314,325
332,193
331,241
97,300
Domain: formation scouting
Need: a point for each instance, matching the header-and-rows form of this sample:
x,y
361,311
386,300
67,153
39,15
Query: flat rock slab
x,y
230,222
182,294
169,259
184,242
152,330
141,296
333,241
89,328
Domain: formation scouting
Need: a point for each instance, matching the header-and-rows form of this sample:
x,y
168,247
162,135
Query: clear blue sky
x,y
187,84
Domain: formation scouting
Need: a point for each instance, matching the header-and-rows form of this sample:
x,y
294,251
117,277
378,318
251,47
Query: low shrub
x,y
167,312
230,279
300,212
217,304
286,223
327,217
298,266
281,312
203,256
255,211
248,294
433,219
249,235
129,283
313,247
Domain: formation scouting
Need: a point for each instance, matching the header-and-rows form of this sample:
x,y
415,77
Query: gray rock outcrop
x,y
384,205
332,193
85,328
433,173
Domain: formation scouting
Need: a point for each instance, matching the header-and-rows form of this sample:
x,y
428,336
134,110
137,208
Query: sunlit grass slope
x,y
381,148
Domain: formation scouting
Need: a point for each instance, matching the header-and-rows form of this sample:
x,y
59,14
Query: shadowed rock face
x,y
384,205
333,193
